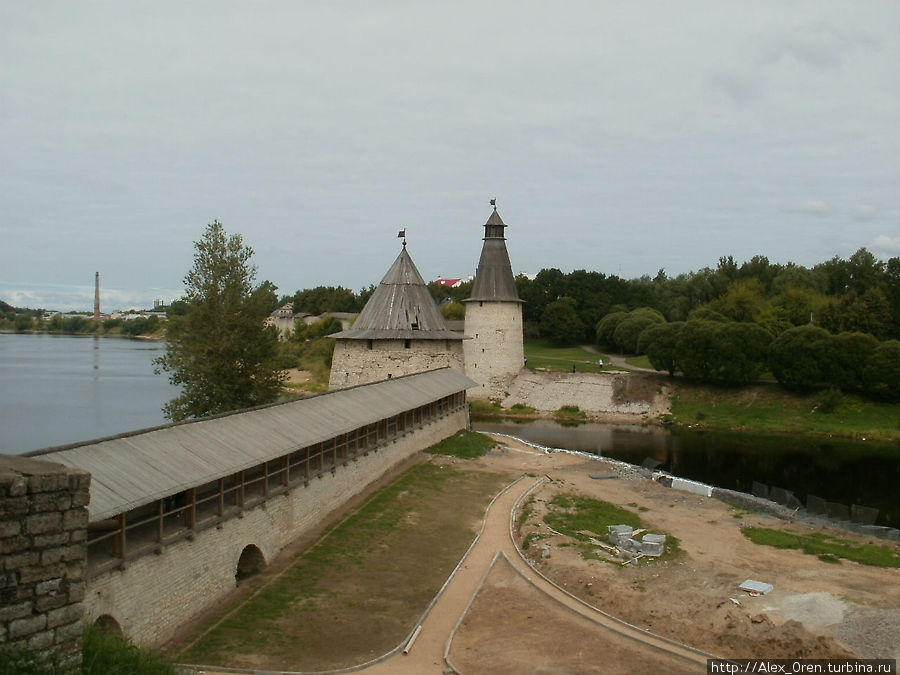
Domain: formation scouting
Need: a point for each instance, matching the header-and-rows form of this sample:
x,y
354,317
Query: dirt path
x,y
497,615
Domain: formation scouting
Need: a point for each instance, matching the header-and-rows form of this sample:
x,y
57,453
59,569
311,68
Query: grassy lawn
x,y
571,513
464,444
770,408
639,362
358,591
826,547
541,355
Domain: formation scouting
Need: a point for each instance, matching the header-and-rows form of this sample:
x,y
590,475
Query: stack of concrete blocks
x,y
623,537
620,535
653,544
43,553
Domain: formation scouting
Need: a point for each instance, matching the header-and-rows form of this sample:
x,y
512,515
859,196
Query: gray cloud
x,y
887,244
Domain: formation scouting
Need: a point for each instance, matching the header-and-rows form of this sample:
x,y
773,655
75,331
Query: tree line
x,y
836,324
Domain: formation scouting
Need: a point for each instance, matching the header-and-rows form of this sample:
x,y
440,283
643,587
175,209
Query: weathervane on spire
x,y
402,234
494,203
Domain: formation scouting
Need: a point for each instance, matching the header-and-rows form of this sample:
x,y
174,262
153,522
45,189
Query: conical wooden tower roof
x,y
400,308
494,281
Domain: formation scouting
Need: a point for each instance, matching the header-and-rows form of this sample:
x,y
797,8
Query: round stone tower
x,y
400,331
495,350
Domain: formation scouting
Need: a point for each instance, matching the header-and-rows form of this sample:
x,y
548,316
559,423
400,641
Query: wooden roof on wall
x,y
134,469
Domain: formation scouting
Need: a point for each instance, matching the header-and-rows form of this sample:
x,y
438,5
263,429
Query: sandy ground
x,y
816,609
497,615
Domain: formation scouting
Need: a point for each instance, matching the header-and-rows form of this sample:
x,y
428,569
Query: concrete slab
x,y
752,586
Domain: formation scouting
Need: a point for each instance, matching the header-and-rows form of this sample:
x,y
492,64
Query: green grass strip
x,y
463,444
825,546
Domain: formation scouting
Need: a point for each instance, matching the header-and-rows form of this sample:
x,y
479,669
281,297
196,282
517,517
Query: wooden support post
x,y
190,514
119,539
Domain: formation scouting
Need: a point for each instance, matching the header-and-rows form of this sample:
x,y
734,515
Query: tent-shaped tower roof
x,y
494,281
400,308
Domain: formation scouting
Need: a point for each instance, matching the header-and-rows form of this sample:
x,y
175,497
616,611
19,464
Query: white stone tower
x,y
495,351
400,331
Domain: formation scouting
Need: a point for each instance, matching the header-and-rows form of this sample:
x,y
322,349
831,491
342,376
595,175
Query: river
x,y
836,470
60,389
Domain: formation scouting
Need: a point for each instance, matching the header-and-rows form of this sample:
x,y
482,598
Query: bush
x,y
798,357
828,401
848,354
882,373
660,343
104,653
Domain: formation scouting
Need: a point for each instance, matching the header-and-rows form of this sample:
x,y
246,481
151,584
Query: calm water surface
x,y
846,472
59,389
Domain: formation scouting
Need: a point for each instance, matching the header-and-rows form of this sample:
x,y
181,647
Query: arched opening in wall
x,y
108,624
250,562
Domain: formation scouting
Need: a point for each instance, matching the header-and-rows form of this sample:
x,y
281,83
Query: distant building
x,y
283,319
399,331
451,283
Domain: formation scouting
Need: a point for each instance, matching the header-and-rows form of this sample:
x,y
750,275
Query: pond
x,y
836,470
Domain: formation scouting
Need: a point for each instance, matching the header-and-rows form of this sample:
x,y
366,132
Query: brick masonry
x,y
43,553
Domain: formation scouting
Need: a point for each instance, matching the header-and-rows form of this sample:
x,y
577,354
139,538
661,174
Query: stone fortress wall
x,y
150,597
43,553
48,589
361,361
495,352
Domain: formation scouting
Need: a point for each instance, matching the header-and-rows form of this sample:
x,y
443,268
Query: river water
x,y
841,471
60,389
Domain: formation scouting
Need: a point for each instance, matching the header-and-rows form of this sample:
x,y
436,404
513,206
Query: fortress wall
x,y
495,353
617,393
43,553
153,595
355,363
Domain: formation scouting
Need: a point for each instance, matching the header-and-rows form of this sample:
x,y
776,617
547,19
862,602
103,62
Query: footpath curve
x,y
428,650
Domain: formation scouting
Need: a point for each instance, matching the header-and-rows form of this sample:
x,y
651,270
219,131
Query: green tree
x,y
629,330
453,311
560,323
22,323
219,351
606,327
882,373
848,356
742,301
660,343
741,352
696,349
798,357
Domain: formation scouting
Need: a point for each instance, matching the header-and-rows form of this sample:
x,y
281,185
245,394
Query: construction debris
x,y
760,587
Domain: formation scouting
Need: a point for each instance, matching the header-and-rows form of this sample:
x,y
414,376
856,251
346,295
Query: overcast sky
x,y
621,137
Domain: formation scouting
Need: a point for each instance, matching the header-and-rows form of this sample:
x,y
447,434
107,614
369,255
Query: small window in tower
x,y
480,303
368,344
406,344
482,350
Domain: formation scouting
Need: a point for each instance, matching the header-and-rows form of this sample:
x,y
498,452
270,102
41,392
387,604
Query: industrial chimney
x,y
97,296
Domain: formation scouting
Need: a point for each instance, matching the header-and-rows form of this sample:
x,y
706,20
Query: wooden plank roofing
x,y
137,468
401,308
494,281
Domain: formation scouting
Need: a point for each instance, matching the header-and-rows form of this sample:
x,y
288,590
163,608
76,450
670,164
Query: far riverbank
x,y
643,398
